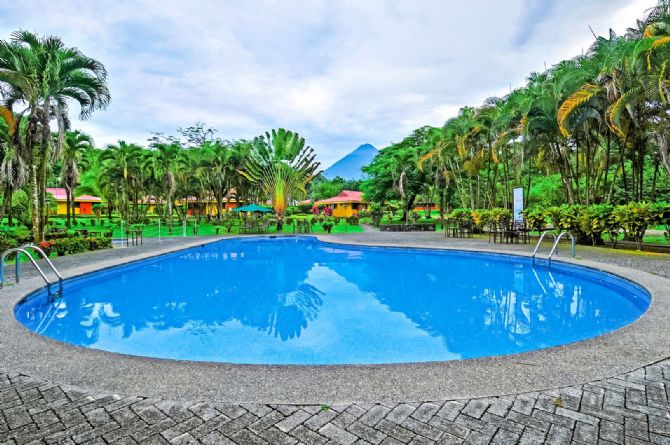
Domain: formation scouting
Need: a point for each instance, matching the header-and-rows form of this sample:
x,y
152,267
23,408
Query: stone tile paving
x,y
629,409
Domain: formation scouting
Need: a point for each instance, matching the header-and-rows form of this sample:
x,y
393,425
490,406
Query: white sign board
x,y
518,204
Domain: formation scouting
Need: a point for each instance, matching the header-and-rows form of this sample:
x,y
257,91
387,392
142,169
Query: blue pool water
x,y
302,301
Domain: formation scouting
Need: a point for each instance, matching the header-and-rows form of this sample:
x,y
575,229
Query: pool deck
x,y
613,389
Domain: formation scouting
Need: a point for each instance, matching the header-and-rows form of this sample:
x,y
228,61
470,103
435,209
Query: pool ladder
x,y
557,239
24,250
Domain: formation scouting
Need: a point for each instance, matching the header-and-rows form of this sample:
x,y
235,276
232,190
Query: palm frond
x,y
577,99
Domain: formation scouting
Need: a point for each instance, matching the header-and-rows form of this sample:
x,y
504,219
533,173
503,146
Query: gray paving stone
x,y
293,420
338,435
400,413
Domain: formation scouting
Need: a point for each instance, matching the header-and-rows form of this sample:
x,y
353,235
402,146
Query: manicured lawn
x,y
152,230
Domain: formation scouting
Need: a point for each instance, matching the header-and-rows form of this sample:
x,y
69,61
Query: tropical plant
x,y
75,144
45,75
634,219
280,165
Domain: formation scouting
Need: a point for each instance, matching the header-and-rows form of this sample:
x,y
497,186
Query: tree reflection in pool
x,y
302,301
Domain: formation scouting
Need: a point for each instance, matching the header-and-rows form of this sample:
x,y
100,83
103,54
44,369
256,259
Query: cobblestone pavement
x,y
629,409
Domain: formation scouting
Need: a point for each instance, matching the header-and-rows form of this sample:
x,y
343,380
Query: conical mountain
x,y
349,167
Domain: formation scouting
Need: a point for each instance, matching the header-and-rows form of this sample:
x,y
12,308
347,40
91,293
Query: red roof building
x,y
347,203
83,205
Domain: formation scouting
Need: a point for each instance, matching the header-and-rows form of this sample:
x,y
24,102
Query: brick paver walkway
x,y
630,409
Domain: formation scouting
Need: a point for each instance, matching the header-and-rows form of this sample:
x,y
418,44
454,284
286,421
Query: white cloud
x,y
341,73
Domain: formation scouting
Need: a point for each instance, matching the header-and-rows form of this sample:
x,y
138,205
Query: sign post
x,y
518,204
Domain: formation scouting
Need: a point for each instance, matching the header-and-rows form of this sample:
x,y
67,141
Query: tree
x,y
280,165
162,164
13,168
395,173
322,188
120,172
75,144
44,75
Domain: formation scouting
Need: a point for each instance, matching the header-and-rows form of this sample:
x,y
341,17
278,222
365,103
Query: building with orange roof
x,y
347,203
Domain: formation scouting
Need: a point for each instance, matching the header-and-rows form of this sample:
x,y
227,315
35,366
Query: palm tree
x,y
280,165
13,169
44,75
75,144
162,163
119,169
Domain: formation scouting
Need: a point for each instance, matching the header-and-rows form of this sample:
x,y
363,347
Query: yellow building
x,y
83,205
346,204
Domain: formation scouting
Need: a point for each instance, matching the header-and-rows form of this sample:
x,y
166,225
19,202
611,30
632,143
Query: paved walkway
x,y
633,408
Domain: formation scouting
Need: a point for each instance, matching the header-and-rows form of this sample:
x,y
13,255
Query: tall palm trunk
x,y
169,213
7,200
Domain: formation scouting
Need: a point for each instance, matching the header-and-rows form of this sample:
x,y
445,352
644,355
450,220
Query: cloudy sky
x,y
340,72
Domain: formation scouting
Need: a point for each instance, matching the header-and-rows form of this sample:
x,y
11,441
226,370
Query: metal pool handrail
x,y
23,250
558,240
545,233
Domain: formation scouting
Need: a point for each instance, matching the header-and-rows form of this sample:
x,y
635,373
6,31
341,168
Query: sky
x,y
339,72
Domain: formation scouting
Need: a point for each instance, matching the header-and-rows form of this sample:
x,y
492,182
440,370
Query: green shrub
x,y
376,213
7,241
594,220
481,218
72,245
461,216
662,210
535,219
99,243
635,218
500,217
68,246
327,226
353,220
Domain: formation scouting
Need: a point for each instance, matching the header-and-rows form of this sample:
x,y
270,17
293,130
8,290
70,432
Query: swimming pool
x,y
297,300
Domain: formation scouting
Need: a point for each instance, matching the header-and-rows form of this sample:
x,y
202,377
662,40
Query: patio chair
x,y
247,227
466,229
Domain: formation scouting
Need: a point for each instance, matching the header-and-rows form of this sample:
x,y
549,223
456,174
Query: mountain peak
x,y
349,167
366,147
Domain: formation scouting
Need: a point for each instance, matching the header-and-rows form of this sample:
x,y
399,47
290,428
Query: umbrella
x,y
252,208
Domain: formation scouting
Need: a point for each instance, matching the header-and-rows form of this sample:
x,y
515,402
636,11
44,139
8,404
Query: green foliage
x,y
535,219
501,217
594,220
73,245
546,191
327,226
662,210
302,208
353,220
280,165
461,216
395,175
376,212
229,220
481,218
564,218
322,188
635,218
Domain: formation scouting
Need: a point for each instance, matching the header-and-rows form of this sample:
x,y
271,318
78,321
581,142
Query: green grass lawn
x,y
208,229
204,228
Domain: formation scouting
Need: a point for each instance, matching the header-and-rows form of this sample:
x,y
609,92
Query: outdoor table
x,y
135,236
